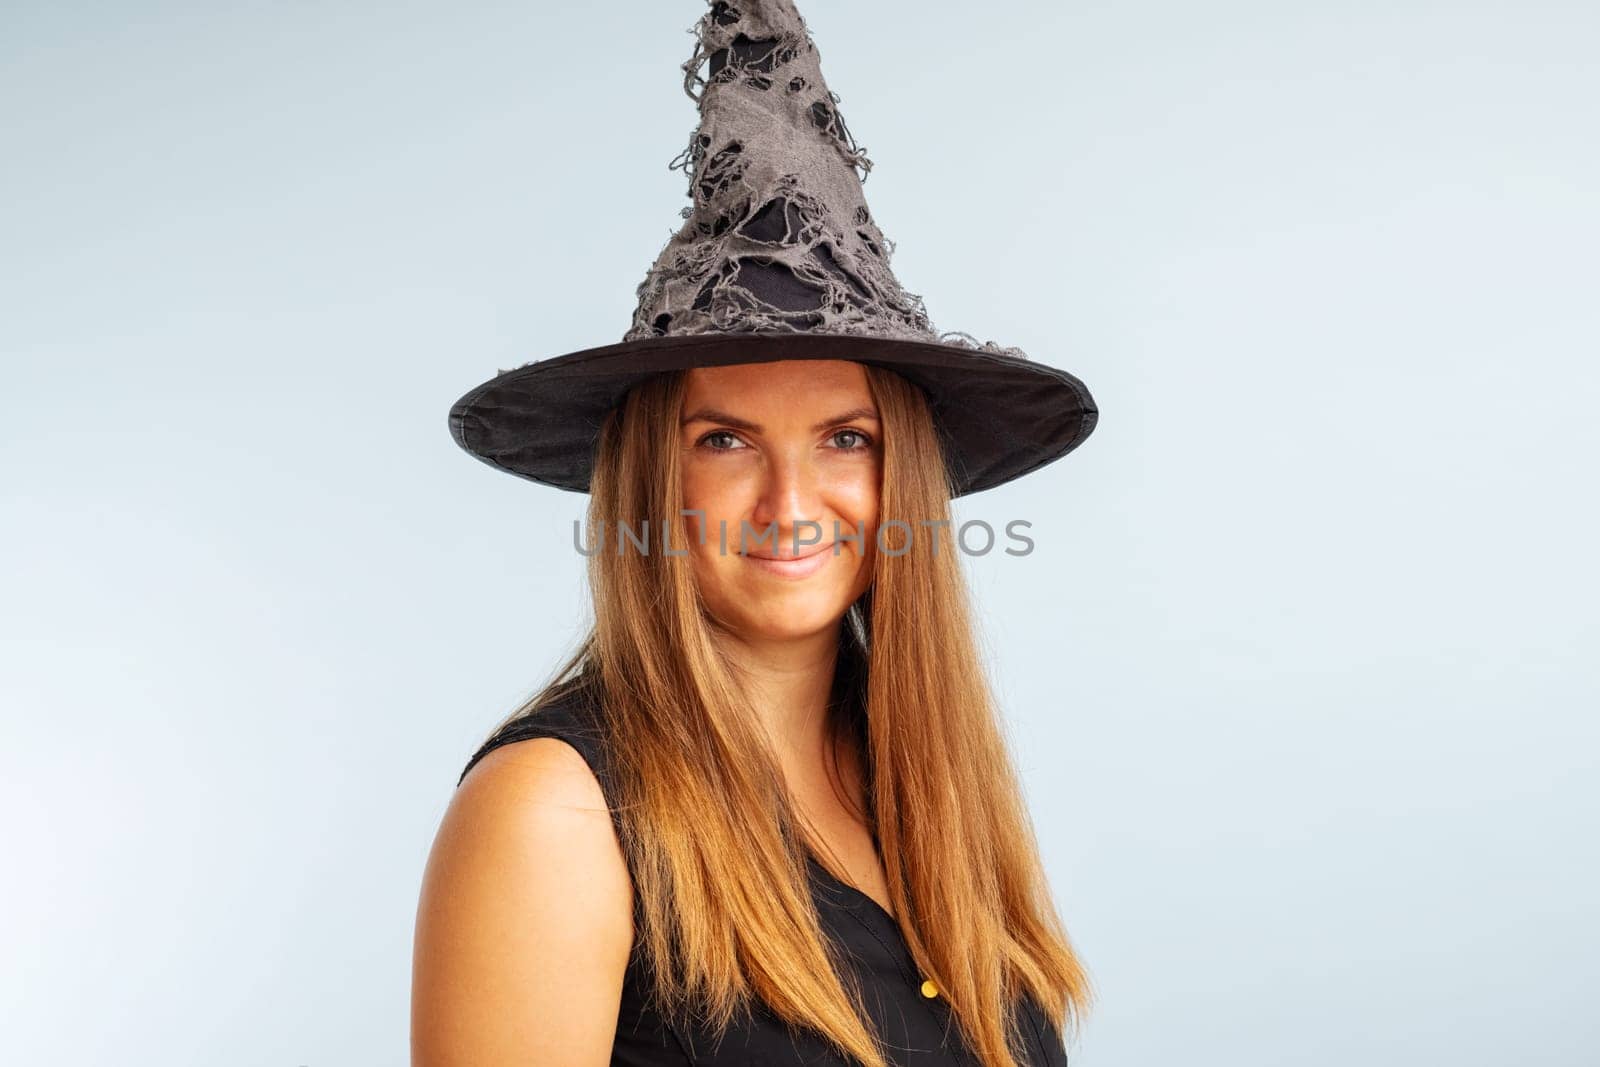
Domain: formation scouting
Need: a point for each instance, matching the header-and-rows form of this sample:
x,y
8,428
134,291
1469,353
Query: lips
x,y
790,567
790,558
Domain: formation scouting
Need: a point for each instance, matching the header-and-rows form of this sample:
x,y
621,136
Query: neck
x,y
789,682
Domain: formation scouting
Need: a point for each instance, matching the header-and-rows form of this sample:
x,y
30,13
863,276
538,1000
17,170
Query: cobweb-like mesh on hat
x,y
779,236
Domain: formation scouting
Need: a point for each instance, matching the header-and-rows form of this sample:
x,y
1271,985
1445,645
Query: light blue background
x,y
1302,675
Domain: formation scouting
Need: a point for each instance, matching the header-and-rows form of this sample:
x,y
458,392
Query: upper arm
x,y
525,920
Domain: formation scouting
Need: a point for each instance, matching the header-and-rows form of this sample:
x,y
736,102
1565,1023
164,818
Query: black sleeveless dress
x,y
919,1031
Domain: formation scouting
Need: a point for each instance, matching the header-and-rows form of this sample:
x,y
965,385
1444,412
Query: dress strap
x,y
572,714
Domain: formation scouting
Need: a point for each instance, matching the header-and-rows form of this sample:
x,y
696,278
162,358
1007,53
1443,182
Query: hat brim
x,y
1000,416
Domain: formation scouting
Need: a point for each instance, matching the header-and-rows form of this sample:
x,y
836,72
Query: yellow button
x,y
929,989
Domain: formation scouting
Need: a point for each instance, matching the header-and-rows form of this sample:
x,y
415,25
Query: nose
x,y
791,494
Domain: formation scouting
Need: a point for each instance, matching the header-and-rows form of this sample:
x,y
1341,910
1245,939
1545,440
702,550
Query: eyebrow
x,y
713,415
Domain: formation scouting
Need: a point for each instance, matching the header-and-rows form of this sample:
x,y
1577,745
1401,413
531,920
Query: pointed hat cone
x,y
778,258
779,237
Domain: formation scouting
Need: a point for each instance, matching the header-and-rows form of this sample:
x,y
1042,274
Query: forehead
x,y
783,383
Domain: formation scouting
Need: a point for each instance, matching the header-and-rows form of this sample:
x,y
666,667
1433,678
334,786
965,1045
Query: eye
x,y
716,435
866,442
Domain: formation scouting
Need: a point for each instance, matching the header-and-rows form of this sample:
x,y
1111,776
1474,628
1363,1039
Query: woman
x,y
765,815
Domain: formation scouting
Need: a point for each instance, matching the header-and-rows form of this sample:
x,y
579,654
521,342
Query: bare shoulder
x,y
525,920
546,766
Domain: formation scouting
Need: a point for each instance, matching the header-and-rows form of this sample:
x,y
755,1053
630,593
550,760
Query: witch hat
x,y
778,258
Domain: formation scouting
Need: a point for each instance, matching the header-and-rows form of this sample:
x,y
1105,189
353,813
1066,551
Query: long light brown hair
x,y
716,851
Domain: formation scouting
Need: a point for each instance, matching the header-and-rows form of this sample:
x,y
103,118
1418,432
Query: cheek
x,y
856,501
708,573
714,499
717,507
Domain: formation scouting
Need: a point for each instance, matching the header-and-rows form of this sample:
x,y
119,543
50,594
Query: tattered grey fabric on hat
x,y
778,258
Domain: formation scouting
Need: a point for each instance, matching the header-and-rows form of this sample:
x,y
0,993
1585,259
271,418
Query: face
x,y
771,448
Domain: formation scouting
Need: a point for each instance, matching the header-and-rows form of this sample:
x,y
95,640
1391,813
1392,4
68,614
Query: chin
x,y
773,630
803,613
